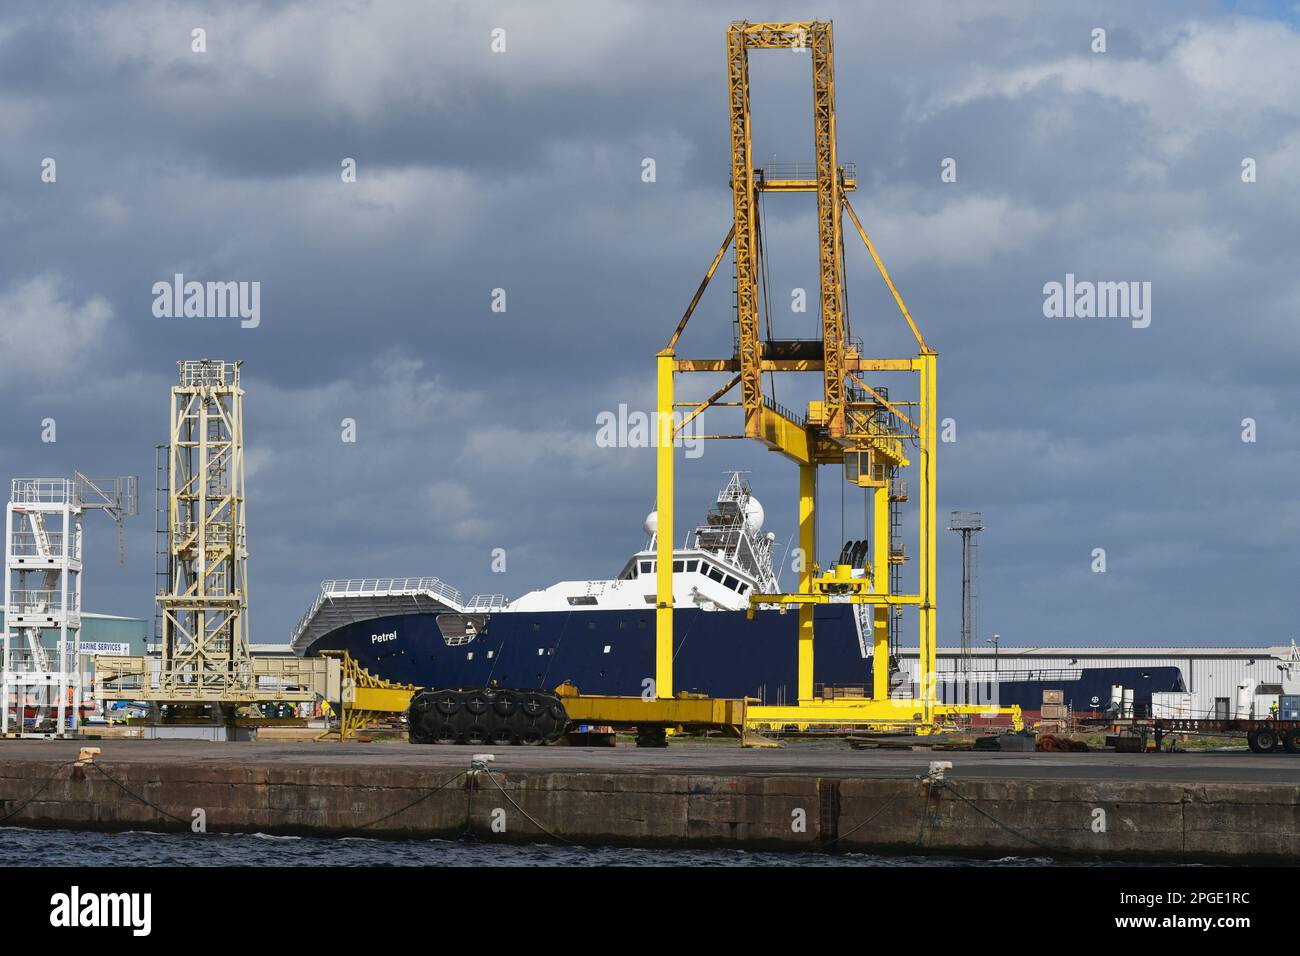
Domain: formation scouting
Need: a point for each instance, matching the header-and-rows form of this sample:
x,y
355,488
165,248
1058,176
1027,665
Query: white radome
x,y
753,515
652,522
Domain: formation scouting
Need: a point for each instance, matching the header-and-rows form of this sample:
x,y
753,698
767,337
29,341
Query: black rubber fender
x,y
448,702
505,703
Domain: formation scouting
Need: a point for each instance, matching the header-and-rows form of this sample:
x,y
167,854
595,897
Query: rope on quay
x,y
386,816
920,837
420,799
1054,851
131,793
39,790
554,836
852,830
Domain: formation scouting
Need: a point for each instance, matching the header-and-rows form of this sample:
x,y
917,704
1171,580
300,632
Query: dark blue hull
x,y
720,653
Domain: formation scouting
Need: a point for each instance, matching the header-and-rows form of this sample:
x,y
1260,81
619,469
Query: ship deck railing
x,y
379,589
1048,674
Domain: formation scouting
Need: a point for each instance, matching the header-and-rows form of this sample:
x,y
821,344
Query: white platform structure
x,y
41,675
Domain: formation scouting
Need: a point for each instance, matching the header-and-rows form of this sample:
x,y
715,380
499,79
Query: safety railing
x,y
43,491
782,410
486,602
803,170
208,372
27,544
1007,675
376,587
40,601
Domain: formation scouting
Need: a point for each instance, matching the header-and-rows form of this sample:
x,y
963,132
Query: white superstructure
x,y
723,562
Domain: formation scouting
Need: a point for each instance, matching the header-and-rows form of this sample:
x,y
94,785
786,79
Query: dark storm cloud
x,y
476,430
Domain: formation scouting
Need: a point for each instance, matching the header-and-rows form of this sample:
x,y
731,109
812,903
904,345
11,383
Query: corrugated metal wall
x,y
1207,675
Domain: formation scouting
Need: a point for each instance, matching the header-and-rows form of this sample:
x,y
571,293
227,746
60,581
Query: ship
x,y
598,635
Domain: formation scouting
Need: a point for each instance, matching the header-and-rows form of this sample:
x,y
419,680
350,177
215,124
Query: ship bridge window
x,y
715,574
731,582
582,600
679,567
692,565
743,588
646,567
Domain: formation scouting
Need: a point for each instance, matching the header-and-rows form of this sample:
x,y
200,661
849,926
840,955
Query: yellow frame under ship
x,y
843,428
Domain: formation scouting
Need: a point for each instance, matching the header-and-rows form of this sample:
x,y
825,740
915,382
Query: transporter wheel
x,y
422,719
506,703
652,737
424,730
1265,741
1292,741
447,702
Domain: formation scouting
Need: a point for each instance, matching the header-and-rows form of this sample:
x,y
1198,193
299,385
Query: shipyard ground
x,y
1234,807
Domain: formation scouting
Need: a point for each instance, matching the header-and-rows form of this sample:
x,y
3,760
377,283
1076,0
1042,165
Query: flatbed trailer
x,y
1262,736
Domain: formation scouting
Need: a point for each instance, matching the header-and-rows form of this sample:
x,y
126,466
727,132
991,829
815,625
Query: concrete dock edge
x,y
1209,822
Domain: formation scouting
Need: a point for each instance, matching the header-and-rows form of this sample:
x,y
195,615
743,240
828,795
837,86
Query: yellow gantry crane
x,y
853,425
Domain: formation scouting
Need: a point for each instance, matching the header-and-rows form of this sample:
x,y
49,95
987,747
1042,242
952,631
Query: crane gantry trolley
x,y
861,427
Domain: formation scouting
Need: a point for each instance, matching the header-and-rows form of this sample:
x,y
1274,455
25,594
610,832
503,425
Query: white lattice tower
x,y
41,678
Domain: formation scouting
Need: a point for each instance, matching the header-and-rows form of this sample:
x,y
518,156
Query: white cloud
x,y
971,230
45,332
1207,76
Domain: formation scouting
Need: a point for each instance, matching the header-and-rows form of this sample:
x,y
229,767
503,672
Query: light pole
x,y
994,641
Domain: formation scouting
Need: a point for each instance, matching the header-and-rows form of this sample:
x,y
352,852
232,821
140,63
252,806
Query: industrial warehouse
x,y
1212,679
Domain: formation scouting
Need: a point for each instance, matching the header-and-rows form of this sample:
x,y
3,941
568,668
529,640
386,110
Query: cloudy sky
x,y
522,170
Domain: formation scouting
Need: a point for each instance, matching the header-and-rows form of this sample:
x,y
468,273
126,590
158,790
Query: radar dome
x,y
652,522
753,515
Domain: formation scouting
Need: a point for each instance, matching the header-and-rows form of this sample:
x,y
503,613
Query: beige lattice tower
x,y
205,655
